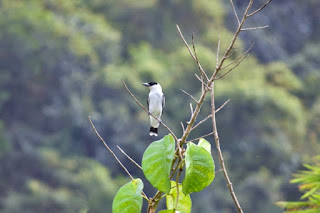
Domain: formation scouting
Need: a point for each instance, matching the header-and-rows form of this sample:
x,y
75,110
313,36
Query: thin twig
x,y
209,116
200,122
227,53
106,145
201,80
203,136
218,50
235,12
203,73
242,55
114,155
188,94
134,162
227,101
190,51
220,170
254,28
231,54
183,129
217,141
145,109
237,64
258,10
191,109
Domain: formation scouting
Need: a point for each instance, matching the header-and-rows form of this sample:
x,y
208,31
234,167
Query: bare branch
x,y
227,53
220,170
106,145
203,136
197,60
192,55
201,80
223,105
235,12
258,10
129,158
145,109
200,122
183,129
240,57
255,28
217,141
191,109
185,42
231,54
188,94
237,64
209,116
218,50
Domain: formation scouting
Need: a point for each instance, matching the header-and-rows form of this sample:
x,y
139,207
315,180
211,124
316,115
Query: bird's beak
x,y
145,84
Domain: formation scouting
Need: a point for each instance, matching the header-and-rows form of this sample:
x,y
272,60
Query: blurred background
x,y
61,61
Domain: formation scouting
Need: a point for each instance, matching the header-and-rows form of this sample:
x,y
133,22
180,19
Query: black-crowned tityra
x,y
156,101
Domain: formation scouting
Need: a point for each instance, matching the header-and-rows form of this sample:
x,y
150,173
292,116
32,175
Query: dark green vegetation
x,y
61,61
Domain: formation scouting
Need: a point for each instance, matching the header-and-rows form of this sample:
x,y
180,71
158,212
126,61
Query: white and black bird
x,y
156,101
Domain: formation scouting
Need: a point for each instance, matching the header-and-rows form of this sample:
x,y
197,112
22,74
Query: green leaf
x,y
199,169
157,161
205,144
184,203
128,199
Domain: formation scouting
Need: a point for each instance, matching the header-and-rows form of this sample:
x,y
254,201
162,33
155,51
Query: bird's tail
x,y
153,131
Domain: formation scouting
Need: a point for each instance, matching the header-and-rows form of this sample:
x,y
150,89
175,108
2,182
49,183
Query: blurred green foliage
x,y
309,184
61,61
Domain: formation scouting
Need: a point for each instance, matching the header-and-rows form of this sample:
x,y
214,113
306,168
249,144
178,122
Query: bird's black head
x,y
150,84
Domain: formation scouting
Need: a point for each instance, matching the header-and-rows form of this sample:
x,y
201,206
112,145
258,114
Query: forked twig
x,y
237,64
258,10
192,55
242,55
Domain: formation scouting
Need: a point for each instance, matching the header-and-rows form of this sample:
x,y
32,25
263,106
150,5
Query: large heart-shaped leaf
x,y
157,161
128,198
184,202
199,169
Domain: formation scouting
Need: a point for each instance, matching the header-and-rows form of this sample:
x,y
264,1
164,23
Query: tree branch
x,y
192,55
189,95
114,155
258,10
134,162
209,116
254,28
217,141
